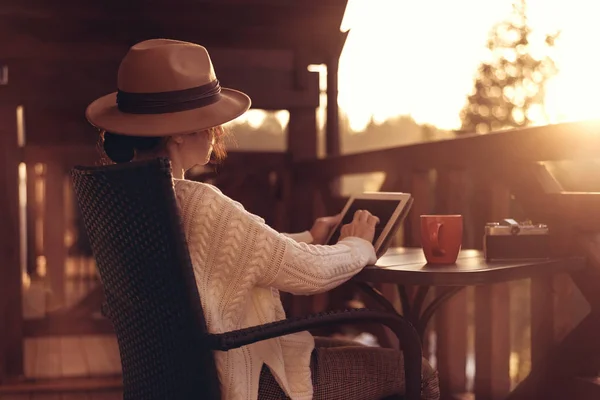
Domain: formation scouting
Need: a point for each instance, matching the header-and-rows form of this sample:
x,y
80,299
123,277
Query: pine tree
x,y
509,89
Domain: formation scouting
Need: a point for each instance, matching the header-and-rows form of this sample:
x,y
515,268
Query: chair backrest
x,y
132,220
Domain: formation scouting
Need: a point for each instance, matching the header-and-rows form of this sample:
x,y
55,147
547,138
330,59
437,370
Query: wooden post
x,y
31,218
332,132
421,192
54,231
333,123
11,310
492,320
451,319
542,319
302,144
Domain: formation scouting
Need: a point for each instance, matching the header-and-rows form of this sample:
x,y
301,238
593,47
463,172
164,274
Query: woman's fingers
x,y
373,220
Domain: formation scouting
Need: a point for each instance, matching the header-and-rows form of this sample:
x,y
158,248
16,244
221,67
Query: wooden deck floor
x,y
111,395
68,368
71,357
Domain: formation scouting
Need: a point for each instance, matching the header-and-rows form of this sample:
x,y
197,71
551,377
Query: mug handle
x,y
434,238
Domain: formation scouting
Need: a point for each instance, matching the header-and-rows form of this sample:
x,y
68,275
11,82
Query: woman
x,y
170,104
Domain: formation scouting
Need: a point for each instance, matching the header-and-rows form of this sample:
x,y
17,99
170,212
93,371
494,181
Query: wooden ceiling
x,y
63,54
40,28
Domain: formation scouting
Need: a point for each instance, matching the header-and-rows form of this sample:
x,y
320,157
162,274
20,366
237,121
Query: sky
x,y
419,58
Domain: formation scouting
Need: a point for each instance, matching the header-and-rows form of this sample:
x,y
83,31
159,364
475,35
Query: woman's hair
x,y
115,148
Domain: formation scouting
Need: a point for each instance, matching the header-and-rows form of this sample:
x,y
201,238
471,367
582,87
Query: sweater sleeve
x,y
310,269
301,237
267,258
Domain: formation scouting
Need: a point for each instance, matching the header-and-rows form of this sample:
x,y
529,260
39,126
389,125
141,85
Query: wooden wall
x,y
62,55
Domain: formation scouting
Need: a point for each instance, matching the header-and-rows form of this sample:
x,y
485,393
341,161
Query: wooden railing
x,y
51,225
484,177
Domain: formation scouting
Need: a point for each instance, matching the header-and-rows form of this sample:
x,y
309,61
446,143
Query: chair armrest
x,y
406,333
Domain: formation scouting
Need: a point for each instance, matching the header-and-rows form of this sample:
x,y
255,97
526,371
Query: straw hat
x,y
166,87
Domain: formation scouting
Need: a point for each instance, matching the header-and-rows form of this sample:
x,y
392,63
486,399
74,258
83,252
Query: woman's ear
x,y
177,139
173,150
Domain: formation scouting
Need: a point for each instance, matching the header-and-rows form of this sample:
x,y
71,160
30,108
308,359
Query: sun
x,y
419,58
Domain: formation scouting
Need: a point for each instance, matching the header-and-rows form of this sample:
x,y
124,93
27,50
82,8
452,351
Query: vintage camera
x,y
510,240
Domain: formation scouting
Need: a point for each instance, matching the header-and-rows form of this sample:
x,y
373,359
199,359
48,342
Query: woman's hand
x,y
362,226
322,228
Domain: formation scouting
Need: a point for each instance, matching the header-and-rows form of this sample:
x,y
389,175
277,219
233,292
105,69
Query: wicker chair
x,y
132,221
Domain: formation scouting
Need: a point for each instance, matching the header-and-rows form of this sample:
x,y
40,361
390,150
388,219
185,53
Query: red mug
x,y
441,238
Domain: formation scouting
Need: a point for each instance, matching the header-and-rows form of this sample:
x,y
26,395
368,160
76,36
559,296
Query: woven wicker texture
x,y
131,218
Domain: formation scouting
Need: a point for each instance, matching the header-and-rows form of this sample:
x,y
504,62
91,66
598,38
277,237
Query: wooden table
x,y
407,267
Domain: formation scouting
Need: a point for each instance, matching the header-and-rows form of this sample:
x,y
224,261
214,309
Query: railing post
x,y
302,144
421,191
11,310
451,321
54,231
492,316
32,215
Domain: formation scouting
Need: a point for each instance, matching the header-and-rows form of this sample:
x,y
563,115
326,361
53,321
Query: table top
x,y
408,266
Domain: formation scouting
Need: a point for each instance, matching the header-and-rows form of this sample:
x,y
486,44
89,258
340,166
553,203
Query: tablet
x,y
390,207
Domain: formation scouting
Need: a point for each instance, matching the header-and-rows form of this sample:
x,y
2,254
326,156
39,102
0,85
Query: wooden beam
x,y
576,140
60,326
278,59
266,12
11,312
564,211
333,118
69,111
84,79
270,160
53,388
222,57
91,32
55,97
250,24
58,127
69,153
74,154
62,90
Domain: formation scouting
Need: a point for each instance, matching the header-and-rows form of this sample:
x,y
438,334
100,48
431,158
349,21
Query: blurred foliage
x,y
271,135
509,89
396,131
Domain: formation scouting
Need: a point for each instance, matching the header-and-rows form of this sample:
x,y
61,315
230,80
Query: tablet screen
x,y
384,209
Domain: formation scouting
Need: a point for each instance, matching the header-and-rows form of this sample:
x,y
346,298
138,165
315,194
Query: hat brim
x,y
104,114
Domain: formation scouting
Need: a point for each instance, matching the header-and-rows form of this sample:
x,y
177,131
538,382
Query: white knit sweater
x,y
240,264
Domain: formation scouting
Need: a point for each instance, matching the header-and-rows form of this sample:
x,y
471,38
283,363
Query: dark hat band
x,y
169,102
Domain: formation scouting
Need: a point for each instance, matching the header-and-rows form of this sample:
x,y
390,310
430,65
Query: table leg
x,y
578,354
443,295
492,341
377,296
542,319
411,309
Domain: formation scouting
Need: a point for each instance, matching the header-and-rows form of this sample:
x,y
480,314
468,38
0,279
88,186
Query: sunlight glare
x,y
419,58
283,117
